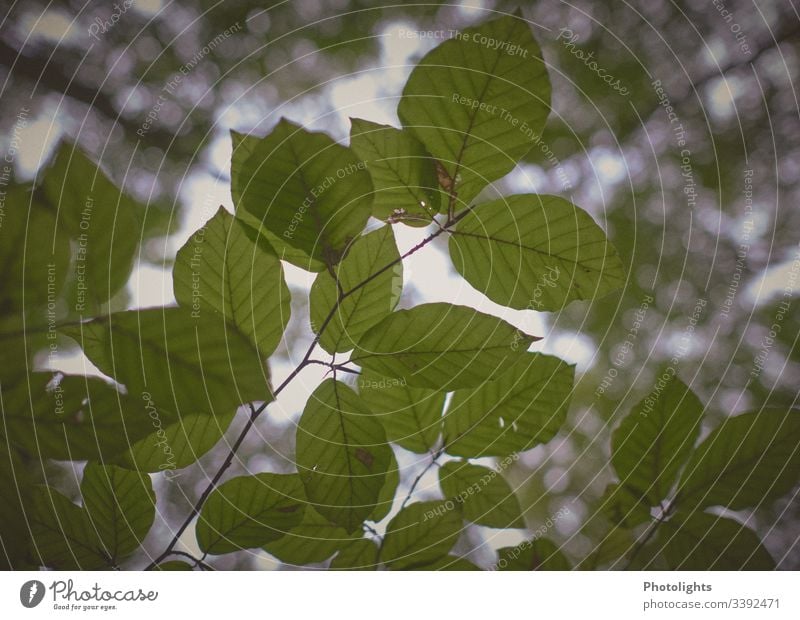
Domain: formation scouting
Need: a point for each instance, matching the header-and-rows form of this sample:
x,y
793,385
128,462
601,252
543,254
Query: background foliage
x,y
698,206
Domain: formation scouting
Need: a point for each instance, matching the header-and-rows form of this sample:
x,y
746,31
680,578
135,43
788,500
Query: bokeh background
x,y
712,224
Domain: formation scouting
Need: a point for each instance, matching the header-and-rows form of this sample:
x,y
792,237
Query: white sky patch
x,y
772,283
609,167
54,26
150,286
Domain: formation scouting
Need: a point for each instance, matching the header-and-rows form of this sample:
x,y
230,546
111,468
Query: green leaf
x,y
360,554
121,507
101,219
654,440
441,346
623,506
749,460
173,565
34,254
314,540
308,190
366,305
226,268
420,534
71,417
411,416
15,485
533,554
611,549
342,455
250,511
522,408
179,363
479,102
484,495
449,563
404,175
535,252
702,541
386,497
63,535
177,445
243,147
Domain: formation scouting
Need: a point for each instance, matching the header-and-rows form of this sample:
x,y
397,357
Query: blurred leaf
x,y
226,268
121,507
441,346
534,554
403,173
71,417
749,460
250,511
342,455
420,534
476,106
308,190
702,541
15,537
360,554
484,495
535,252
653,441
63,536
411,416
186,365
522,408
34,253
368,304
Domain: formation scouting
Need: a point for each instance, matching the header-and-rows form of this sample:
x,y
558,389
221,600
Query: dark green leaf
x,y
34,254
368,304
360,554
654,440
226,268
479,106
623,507
120,505
174,565
420,534
749,460
72,417
448,563
706,542
250,511
522,408
404,175
535,252
180,364
243,147
484,495
63,536
441,346
411,416
15,485
308,190
314,540
342,455
534,554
